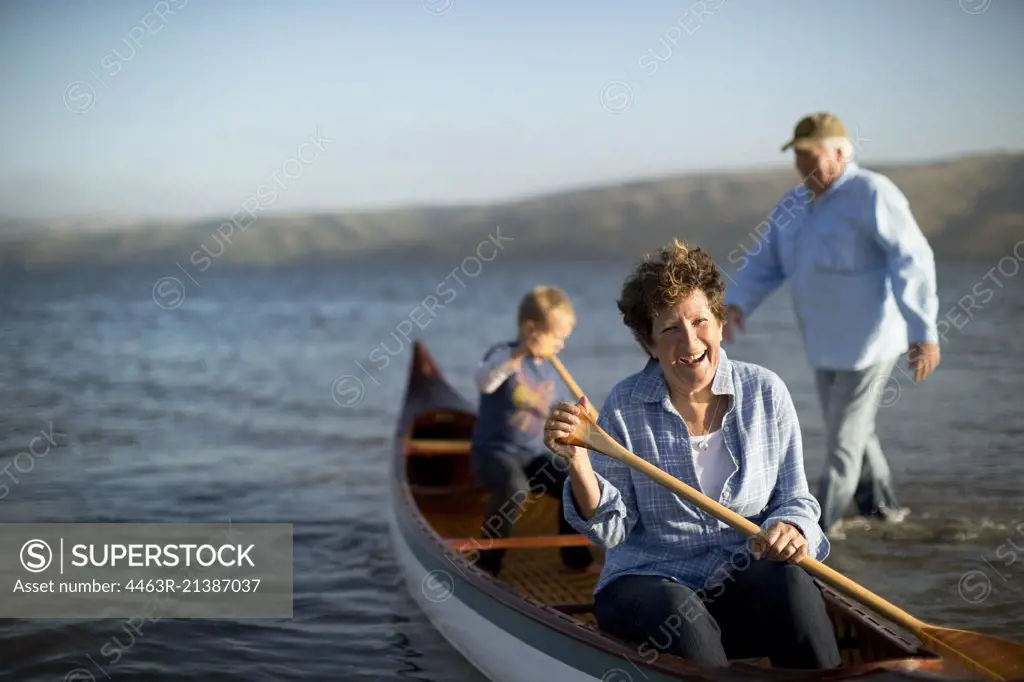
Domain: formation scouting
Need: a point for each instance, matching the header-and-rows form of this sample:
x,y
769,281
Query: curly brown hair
x,y
675,273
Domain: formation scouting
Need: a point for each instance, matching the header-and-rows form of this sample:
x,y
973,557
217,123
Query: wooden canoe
x,y
535,621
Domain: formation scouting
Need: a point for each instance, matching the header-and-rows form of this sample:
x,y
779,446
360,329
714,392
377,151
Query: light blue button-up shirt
x,y
647,529
860,272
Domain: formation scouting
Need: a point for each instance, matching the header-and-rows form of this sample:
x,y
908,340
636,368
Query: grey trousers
x,y
856,469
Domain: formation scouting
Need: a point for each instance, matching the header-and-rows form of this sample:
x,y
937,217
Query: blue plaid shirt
x,y
647,529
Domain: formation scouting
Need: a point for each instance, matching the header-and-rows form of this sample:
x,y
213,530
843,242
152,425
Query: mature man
x,y
862,279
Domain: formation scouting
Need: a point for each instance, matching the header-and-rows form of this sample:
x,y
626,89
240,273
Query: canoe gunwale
x,y
918,664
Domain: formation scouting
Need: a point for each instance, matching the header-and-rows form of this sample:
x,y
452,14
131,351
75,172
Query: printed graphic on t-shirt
x,y
533,402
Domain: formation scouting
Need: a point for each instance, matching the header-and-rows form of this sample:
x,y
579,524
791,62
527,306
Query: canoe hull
x,y
451,603
534,622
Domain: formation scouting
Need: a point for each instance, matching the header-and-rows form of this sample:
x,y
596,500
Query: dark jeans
x,y
510,484
769,609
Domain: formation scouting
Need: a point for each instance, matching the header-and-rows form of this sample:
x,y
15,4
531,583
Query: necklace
x,y
703,444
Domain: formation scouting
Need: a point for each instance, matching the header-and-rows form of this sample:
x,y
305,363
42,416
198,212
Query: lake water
x,y
224,404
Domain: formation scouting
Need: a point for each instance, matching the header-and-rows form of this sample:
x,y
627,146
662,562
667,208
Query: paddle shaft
x,y
996,659
611,448
573,386
601,442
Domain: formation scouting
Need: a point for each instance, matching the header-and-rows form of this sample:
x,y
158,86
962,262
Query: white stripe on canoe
x,y
495,653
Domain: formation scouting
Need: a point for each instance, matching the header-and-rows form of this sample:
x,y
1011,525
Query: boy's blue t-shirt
x,y
512,417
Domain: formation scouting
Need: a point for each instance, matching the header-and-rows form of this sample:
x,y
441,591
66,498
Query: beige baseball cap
x,y
811,130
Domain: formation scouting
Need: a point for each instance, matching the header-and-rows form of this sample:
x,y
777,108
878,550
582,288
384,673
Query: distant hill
x,y
970,207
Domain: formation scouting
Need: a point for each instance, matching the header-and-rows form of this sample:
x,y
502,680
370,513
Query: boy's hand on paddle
x,y
545,345
782,542
533,345
562,423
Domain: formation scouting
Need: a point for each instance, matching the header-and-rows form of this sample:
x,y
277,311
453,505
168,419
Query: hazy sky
x,y
185,107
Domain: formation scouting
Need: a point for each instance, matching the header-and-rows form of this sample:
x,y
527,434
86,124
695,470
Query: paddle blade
x,y
991,657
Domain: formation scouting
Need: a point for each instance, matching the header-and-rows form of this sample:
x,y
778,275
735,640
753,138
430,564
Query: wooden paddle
x,y
995,658
571,383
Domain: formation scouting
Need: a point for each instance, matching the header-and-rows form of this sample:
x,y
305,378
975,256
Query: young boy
x,y
518,386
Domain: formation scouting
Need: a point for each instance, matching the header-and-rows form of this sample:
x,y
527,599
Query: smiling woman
x,y
728,429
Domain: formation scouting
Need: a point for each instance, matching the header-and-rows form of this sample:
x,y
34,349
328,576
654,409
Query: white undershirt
x,y
713,465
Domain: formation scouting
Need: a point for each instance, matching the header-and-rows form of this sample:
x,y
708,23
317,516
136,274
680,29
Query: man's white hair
x,y
840,143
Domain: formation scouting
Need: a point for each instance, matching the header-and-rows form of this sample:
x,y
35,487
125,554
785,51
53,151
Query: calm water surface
x,y
222,408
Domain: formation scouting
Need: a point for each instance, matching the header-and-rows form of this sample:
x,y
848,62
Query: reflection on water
x,y
225,408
